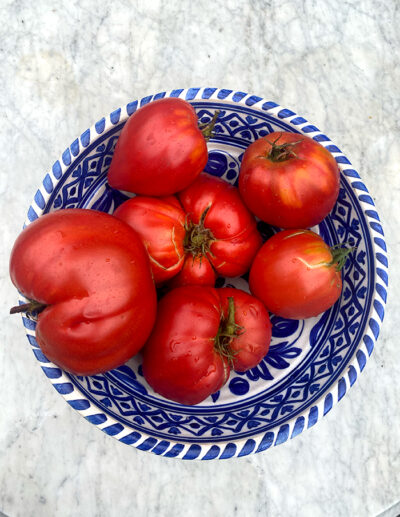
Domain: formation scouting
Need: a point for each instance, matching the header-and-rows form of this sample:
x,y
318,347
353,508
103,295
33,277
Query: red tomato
x,y
90,273
160,151
296,275
221,228
160,222
192,347
211,233
289,180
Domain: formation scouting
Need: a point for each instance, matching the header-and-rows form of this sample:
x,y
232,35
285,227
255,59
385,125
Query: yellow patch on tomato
x,y
289,195
181,118
196,154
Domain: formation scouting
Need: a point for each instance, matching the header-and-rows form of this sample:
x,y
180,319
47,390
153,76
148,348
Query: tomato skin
x,y
93,273
195,271
298,192
252,345
179,359
293,275
160,222
160,149
232,225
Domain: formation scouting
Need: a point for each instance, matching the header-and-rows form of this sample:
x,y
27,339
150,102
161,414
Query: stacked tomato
x,y
93,279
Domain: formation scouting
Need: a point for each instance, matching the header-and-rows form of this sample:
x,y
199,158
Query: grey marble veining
x,y
63,68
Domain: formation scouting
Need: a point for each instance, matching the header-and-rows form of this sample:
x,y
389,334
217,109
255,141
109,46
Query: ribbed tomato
x,y
199,335
207,232
89,274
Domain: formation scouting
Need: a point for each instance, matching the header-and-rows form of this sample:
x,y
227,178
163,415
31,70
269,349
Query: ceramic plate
x,y
311,364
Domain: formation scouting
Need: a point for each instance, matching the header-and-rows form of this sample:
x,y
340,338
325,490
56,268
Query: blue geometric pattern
x,y
311,363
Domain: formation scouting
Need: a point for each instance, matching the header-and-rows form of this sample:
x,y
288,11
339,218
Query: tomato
x,y
296,275
160,150
289,180
160,222
221,229
90,275
207,232
199,335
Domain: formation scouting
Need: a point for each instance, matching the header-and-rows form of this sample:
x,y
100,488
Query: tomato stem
x,y
198,238
282,152
32,306
227,331
208,127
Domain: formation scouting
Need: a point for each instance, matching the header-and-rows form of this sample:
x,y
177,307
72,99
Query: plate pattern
x,y
311,364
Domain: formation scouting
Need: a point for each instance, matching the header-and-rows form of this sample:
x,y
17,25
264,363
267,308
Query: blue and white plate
x,y
311,364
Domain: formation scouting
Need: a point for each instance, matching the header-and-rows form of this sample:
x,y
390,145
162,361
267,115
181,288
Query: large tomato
x,y
296,275
199,335
89,274
289,180
211,232
160,150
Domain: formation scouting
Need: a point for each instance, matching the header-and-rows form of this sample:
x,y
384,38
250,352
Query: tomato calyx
x,y
30,308
198,238
228,330
339,256
282,152
207,128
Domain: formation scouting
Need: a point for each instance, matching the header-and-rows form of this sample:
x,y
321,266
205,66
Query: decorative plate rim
x,y
295,425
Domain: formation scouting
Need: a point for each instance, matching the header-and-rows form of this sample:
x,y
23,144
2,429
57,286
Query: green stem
x,y
230,327
227,331
208,128
282,152
198,238
339,255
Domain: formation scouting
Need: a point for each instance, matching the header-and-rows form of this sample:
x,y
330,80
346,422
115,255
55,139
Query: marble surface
x,y
63,67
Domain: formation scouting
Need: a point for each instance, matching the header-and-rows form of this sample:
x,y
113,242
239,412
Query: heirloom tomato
x,y
289,180
296,275
220,229
160,150
199,335
207,232
89,276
